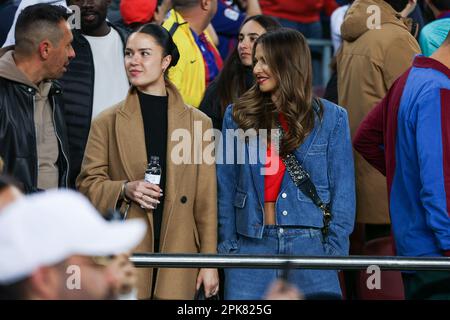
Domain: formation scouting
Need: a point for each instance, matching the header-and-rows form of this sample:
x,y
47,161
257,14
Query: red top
x,y
304,11
272,180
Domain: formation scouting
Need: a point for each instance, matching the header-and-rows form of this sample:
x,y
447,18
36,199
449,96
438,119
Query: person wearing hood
x,y
33,138
378,47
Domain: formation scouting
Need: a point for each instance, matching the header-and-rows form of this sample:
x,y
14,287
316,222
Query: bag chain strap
x,y
302,180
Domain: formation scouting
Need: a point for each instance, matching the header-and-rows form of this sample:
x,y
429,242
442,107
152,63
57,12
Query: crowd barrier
x,y
158,260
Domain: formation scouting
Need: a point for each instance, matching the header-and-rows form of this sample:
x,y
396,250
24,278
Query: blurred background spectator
x,y
200,61
20,6
228,20
304,16
8,9
135,13
434,33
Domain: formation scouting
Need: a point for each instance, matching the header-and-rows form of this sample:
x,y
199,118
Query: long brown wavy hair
x,y
288,56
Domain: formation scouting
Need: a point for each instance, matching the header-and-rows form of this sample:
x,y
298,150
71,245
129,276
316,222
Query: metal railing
x,y
158,260
326,47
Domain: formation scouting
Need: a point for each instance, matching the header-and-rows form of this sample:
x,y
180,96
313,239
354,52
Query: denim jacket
x,y
326,154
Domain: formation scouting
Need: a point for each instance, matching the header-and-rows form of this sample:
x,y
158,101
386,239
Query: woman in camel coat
x,y
151,121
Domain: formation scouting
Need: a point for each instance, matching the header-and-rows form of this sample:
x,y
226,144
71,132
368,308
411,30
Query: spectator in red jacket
x,y
303,16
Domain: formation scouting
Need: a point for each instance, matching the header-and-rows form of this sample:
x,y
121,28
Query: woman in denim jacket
x,y
261,210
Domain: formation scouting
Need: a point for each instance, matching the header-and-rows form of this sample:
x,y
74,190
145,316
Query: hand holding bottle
x,y
153,173
143,193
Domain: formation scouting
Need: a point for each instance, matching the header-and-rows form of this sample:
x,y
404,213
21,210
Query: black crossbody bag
x,y
302,180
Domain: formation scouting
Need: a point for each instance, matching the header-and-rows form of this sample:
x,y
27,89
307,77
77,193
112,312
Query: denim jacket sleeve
x,y
342,187
227,175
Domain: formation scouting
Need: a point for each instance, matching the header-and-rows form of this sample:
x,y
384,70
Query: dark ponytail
x,y
164,39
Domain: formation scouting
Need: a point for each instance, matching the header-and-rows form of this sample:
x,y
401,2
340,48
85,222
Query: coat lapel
x,y
130,138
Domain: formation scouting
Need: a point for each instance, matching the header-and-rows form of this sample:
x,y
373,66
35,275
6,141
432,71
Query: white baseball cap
x,y
46,228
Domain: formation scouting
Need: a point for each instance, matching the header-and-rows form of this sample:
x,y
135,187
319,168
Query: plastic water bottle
x,y
153,172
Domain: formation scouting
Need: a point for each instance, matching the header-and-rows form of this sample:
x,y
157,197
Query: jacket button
x,y
284,213
284,195
183,199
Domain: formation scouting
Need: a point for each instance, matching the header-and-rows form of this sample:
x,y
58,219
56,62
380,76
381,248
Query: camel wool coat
x,y
116,152
369,62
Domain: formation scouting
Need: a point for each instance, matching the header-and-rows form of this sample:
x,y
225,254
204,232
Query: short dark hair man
x,y
33,138
96,79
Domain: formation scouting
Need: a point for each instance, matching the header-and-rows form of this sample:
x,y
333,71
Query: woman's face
x,y
264,76
144,61
247,36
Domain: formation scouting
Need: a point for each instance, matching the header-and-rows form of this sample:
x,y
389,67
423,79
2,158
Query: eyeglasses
x,y
103,261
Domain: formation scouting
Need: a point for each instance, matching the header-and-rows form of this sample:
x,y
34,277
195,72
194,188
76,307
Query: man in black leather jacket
x,y
33,137
96,78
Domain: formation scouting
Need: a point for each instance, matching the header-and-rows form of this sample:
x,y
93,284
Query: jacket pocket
x,y
318,149
240,199
309,215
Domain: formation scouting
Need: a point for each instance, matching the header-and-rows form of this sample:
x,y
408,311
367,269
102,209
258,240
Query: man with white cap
x,y
54,245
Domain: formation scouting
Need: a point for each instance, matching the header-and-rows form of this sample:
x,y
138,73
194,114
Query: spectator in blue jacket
x,y
407,138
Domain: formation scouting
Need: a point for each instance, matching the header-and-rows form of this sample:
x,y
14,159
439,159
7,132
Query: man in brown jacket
x,y
378,46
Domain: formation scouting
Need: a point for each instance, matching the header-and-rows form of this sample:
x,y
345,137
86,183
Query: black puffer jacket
x,y
18,135
78,85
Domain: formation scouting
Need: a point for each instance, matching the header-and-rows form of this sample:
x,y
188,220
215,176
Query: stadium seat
x,y
391,281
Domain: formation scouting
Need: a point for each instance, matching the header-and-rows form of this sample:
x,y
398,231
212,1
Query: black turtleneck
x,y
154,114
